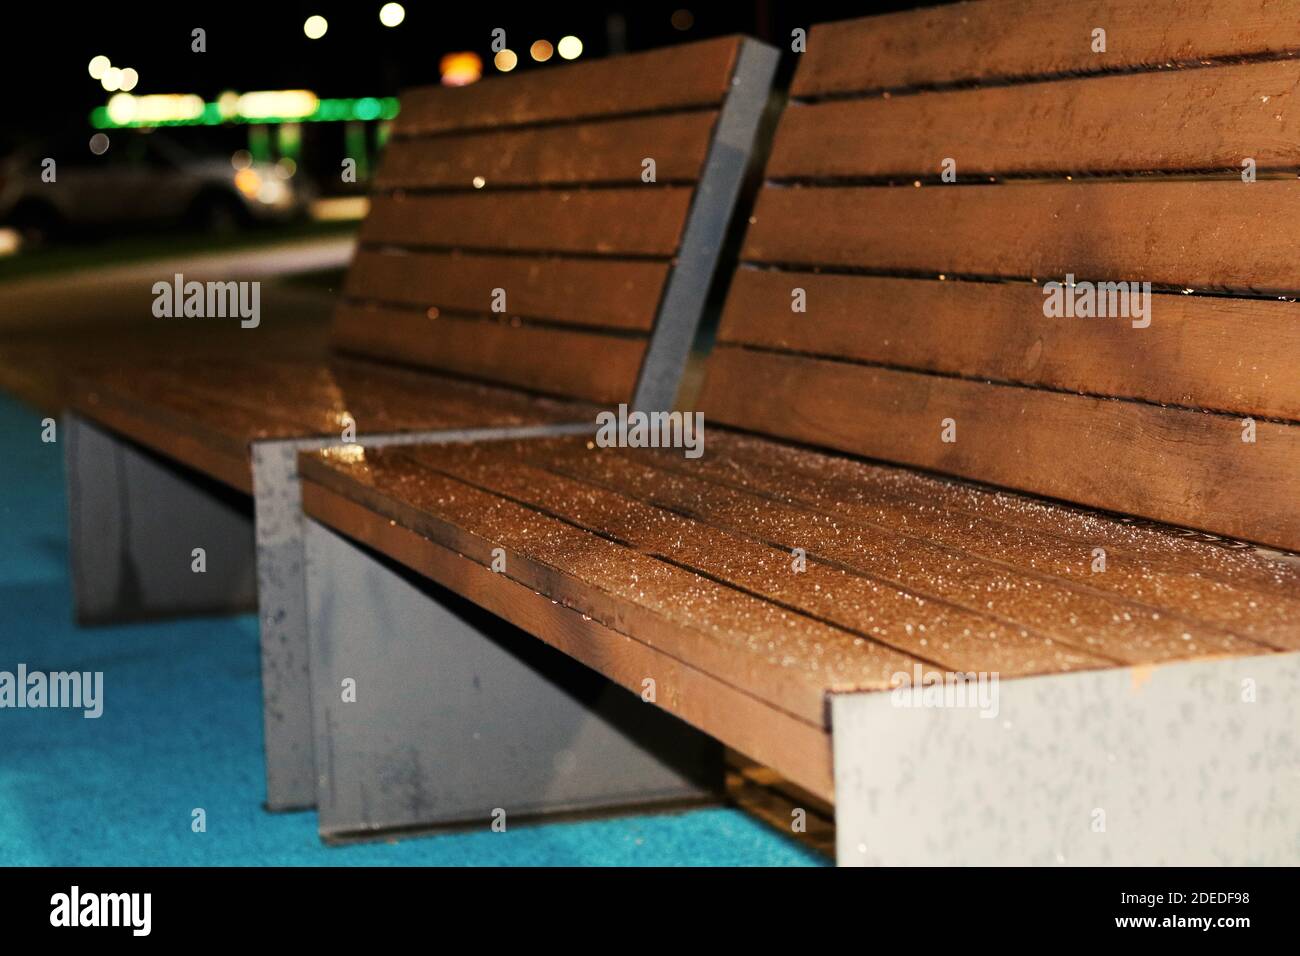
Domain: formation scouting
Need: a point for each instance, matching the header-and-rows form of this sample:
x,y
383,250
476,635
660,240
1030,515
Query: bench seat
x,y
207,414
685,571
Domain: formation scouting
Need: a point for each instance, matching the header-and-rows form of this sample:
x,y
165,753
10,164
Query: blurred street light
x,y
98,67
505,61
460,69
315,27
569,48
541,50
392,14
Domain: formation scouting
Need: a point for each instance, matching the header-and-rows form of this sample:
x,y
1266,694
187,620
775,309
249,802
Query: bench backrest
x,y
513,236
931,336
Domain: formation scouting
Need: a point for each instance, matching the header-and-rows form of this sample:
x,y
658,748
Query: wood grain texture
x,y
1016,39
779,656
566,362
963,612
694,528
1213,352
800,748
1176,120
1250,593
1202,235
617,294
584,153
206,414
678,77
1182,467
643,221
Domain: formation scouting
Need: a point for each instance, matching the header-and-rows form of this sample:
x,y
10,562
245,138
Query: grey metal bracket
x,y
282,602
686,293
135,520
1185,764
431,711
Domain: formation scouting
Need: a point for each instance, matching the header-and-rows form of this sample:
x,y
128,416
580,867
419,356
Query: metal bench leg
x,y
282,601
1187,764
134,522
458,716
282,616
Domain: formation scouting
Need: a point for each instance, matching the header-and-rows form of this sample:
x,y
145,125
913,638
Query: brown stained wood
x,y
619,294
847,562
1202,235
786,659
602,152
1233,355
672,78
1178,120
622,504
800,749
1005,39
205,414
1242,591
185,443
568,362
644,221
833,481
1177,466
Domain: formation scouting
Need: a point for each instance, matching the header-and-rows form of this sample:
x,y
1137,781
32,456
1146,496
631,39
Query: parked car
x,y
124,178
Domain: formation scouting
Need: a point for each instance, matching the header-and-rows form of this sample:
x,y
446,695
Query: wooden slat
x,y
691,75
1006,39
1235,355
617,293
633,221
602,152
963,612
1240,591
1177,120
1177,466
572,363
1222,234
692,534
1032,527
783,658
801,750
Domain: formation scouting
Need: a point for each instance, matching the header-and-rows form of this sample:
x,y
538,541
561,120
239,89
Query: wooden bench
x,y
517,270
921,476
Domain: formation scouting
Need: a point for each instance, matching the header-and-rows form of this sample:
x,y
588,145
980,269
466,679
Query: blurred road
x,y
55,324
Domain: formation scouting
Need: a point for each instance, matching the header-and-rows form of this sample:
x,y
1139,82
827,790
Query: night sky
x,y
251,46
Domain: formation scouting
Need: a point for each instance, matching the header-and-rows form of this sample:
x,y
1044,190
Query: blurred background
x,y
208,139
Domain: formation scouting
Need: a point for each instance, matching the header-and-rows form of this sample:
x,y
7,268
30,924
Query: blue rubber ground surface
x,y
181,730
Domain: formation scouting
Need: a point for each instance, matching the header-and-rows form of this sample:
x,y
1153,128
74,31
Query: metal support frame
x,y
459,716
714,201
1186,764
282,601
134,520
